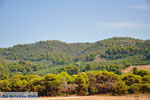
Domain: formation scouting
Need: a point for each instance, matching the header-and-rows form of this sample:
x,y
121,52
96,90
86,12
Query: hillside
x,y
54,56
47,49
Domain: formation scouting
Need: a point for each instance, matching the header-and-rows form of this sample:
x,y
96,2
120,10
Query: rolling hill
x,y
53,55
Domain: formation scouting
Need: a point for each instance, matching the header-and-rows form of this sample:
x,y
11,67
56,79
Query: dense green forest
x,y
53,56
85,83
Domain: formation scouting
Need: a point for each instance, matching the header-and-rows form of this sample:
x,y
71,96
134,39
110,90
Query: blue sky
x,y
29,21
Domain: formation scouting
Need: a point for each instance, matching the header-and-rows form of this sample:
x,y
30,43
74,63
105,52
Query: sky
x,y
29,21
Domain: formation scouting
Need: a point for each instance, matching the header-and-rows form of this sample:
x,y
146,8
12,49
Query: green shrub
x,y
134,88
146,79
120,88
82,81
145,88
142,72
130,79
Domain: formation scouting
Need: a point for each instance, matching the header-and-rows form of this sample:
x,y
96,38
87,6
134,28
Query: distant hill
x,y
50,55
46,50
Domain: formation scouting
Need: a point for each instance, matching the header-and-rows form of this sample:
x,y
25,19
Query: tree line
x,y
85,83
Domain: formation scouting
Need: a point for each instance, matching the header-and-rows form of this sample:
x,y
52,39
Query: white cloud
x,y
123,25
119,24
141,7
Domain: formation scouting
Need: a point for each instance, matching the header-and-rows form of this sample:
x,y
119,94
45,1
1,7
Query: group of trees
x,y
76,68
113,68
20,67
120,52
90,57
70,69
86,83
25,67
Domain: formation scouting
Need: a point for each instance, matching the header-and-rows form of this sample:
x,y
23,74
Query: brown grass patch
x,y
142,67
129,97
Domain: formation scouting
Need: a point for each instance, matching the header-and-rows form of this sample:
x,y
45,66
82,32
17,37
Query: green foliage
x,y
105,81
135,88
147,53
114,68
120,52
130,79
120,88
134,70
46,56
127,64
4,85
88,67
141,72
19,63
145,88
21,67
82,81
52,85
66,77
91,82
146,79
36,84
71,69
90,57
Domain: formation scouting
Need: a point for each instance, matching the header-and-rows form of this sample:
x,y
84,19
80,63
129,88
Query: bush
x,y
130,79
142,72
105,81
145,88
120,88
5,86
146,79
134,88
82,81
52,85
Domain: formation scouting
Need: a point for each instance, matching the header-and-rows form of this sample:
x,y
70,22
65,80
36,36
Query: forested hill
x,y
48,50
43,56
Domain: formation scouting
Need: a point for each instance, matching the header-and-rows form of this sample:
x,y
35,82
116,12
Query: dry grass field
x,y
98,98
143,67
90,98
